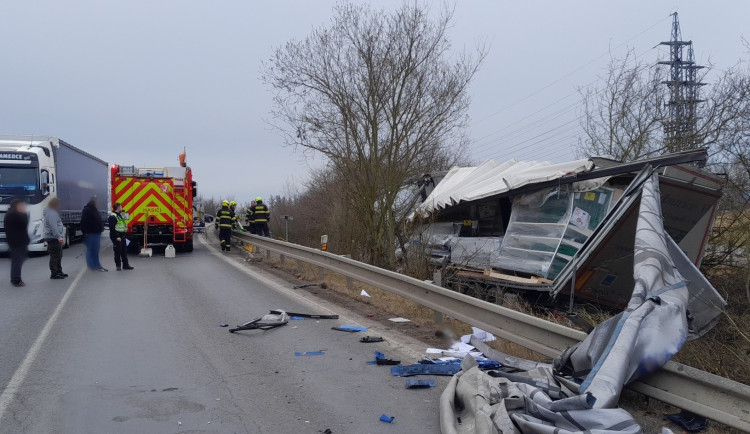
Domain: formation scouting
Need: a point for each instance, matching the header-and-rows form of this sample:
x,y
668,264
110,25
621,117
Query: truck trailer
x,y
158,203
39,168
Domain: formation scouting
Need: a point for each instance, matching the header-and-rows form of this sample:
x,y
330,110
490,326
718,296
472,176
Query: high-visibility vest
x,y
122,224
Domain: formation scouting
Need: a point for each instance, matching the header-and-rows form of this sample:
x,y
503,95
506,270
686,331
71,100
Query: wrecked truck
x,y
560,229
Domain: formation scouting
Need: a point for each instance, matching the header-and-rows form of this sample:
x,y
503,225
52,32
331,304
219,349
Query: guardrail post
x,y
282,259
300,267
437,279
268,254
321,274
349,283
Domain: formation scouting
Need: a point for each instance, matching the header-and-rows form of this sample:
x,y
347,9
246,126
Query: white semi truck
x,y
37,169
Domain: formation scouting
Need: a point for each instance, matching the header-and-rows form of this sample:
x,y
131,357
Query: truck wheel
x,y
188,246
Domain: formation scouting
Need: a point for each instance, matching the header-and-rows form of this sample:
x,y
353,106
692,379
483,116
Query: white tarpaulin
x,y
624,348
490,178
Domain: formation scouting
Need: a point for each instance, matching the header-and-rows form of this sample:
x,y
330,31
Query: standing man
x,y
53,234
92,228
17,235
250,219
117,228
261,215
225,216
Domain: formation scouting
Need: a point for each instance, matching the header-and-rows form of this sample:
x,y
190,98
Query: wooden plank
x,y
528,280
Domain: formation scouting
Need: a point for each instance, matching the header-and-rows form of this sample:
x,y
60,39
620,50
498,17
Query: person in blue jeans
x,y
92,227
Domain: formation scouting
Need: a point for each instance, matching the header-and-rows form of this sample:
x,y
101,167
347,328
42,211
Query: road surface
x,y
142,352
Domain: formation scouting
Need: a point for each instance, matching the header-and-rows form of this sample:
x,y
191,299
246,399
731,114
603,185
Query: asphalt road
x,y
142,352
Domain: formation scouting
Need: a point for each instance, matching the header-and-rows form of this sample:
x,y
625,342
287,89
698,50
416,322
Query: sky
x,y
135,82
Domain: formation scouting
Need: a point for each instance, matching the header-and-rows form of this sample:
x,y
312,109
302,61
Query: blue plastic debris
x,y
223,325
420,384
310,353
378,356
350,328
296,318
424,369
385,418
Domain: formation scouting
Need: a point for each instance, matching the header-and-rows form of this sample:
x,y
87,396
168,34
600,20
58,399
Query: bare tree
x,y
380,95
622,115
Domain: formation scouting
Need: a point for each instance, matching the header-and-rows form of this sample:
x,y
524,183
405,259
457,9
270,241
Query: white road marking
x,y
14,385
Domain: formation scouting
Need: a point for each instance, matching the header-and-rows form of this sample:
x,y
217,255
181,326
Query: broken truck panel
x,y
536,227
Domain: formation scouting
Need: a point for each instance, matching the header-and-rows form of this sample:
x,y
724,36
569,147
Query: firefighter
x,y
261,215
225,216
233,208
249,218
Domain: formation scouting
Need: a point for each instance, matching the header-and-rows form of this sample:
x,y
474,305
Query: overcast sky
x,y
134,82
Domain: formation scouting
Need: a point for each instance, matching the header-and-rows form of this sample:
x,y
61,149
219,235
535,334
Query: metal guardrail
x,y
692,389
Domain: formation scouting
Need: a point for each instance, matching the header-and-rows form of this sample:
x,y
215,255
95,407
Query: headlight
x,y
38,232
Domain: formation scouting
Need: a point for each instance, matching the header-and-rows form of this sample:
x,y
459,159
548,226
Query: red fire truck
x,y
159,202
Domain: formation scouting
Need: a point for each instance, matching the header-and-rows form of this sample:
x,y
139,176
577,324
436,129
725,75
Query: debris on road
x,y
306,285
365,294
387,419
688,421
223,325
310,353
371,339
349,328
380,359
277,318
420,384
399,319
479,334
296,318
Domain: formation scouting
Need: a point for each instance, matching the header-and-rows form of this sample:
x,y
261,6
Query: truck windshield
x,y
20,182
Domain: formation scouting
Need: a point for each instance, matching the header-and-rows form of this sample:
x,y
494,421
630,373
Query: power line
x,y
569,74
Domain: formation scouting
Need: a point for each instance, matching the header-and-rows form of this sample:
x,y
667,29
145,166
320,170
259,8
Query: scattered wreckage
x,y
531,227
579,391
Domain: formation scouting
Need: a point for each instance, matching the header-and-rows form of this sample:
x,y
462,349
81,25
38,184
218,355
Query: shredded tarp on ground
x,y
636,342
491,178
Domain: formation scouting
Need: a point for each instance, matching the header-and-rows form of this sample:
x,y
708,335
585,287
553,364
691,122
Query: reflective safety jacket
x,y
225,216
121,225
249,216
261,214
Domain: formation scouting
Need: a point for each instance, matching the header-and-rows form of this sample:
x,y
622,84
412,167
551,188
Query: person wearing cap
x,y
225,216
118,226
261,214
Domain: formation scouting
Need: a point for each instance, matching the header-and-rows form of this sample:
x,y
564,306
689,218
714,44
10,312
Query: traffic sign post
x,y
287,219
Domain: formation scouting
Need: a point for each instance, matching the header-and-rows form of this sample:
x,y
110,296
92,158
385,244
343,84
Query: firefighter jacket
x,y
225,216
261,214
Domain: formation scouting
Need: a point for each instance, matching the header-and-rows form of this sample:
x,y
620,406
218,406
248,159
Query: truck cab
x,y
27,172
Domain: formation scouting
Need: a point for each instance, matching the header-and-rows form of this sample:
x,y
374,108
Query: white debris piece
x,y
480,334
399,319
364,294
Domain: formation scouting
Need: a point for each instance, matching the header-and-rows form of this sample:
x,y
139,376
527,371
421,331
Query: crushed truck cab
x,y
158,202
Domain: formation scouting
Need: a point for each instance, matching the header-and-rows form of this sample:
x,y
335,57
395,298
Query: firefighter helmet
x,y
259,199
224,203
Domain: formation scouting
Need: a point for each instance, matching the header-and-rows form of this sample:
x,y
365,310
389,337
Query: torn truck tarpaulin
x,y
420,384
349,328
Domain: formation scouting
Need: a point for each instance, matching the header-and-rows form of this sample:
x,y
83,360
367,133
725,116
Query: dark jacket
x,y
91,220
16,229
